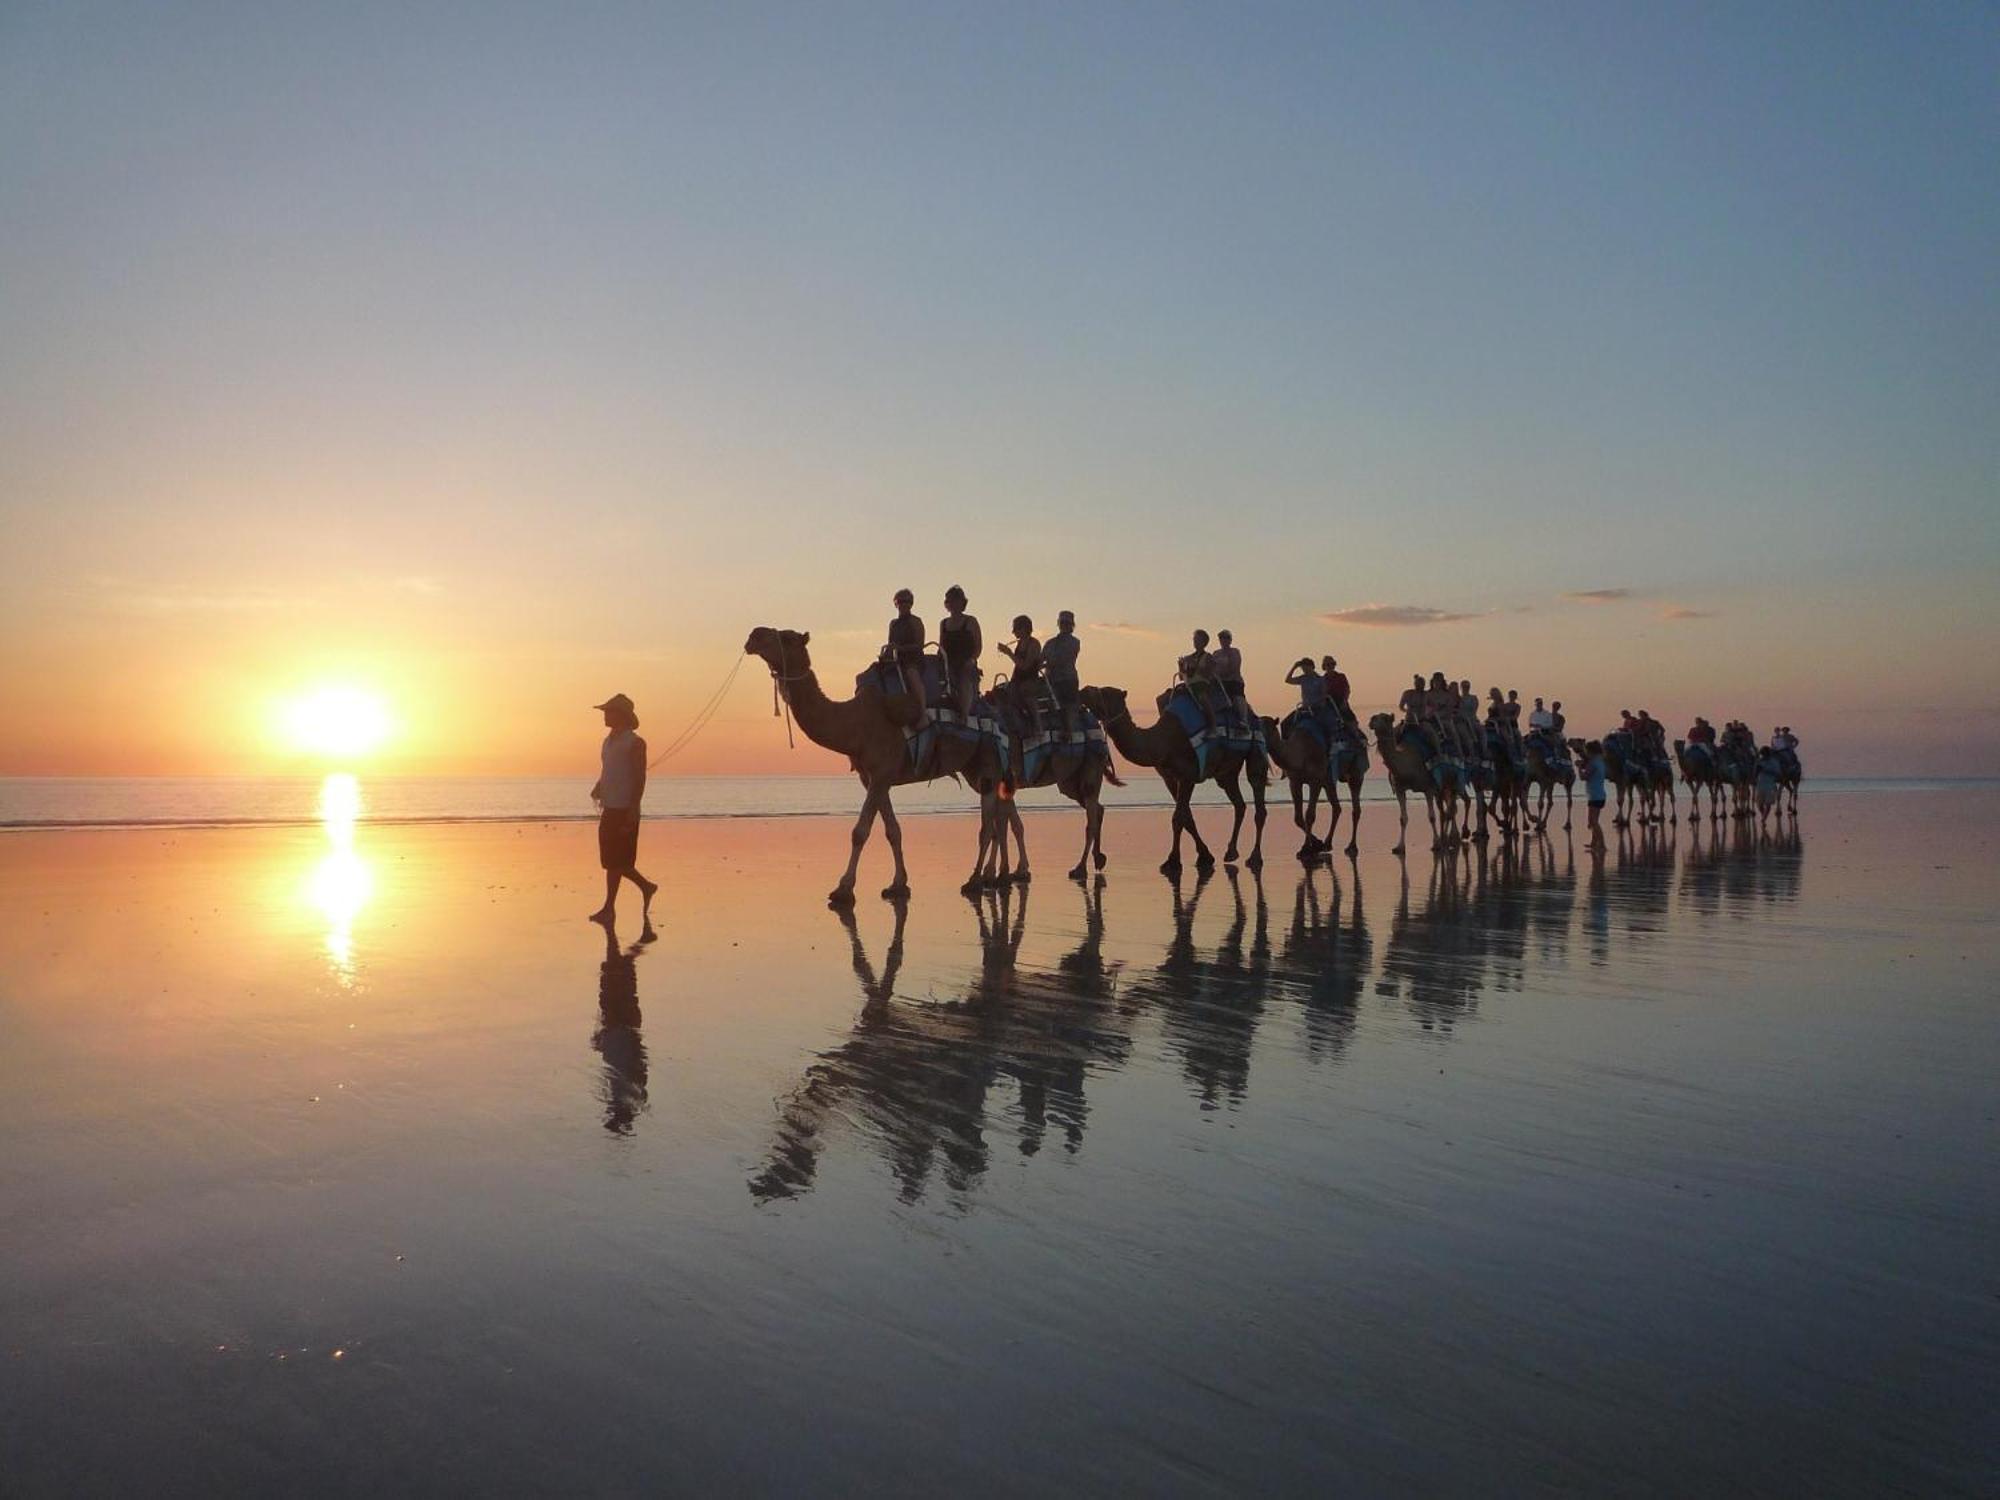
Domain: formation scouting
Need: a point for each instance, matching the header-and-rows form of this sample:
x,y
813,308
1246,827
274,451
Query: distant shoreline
x,y
1279,805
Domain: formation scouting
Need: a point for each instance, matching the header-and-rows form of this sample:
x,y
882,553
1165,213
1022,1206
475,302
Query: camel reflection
x,y
1323,964
1735,871
917,1080
930,1086
1209,1006
622,1086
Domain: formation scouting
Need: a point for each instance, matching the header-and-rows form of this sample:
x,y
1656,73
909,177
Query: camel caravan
x,y
922,711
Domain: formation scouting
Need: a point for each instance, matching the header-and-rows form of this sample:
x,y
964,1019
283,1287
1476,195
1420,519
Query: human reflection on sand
x,y
341,883
622,1086
924,1081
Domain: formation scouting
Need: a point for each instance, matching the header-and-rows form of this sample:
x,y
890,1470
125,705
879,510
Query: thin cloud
x,y
168,604
1125,627
1392,616
1598,596
1681,612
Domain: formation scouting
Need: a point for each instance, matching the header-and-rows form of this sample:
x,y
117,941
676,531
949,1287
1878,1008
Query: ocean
x,y
226,801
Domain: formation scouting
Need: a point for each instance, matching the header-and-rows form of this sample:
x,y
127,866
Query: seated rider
x,y
1337,689
1024,681
1541,718
1312,691
1059,665
906,644
1441,705
1197,670
1472,739
1414,706
1701,732
1557,723
958,635
1227,662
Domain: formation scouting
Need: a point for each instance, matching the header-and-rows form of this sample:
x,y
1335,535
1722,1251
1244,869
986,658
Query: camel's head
x,y
1577,745
1108,703
783,651
1381,725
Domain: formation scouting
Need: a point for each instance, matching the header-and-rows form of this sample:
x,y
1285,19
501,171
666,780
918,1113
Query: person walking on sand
x,y
1594,773
620,787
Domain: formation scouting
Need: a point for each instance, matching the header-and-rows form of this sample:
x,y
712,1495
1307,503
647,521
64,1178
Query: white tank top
x,y
619,785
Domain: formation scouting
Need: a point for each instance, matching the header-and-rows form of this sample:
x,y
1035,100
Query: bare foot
x,y
603,914
647,891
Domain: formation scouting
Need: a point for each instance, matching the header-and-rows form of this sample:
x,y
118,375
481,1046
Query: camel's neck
x,y
1143,747
835,726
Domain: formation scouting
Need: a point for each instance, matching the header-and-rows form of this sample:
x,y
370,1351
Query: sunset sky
x,y
484,360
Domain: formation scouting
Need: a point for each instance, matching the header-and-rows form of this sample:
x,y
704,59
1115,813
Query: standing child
x,y
1594,773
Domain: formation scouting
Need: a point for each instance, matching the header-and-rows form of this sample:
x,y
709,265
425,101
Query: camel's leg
x,y
1234,792
1354,818
1089,830
1300,815
1569,805
1402,818
1013,810
1431,811
1097,831
984,852
1258,787
871,804
898,888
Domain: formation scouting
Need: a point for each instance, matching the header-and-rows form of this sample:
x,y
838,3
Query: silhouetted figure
x,y
621,786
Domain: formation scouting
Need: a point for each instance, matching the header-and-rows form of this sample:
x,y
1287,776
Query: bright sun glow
x,y
337,721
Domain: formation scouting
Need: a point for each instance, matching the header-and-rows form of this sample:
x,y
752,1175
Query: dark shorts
x,y
1234,687
1597,802
617,838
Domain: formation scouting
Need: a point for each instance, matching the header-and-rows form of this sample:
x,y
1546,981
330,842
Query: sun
x,y
342,721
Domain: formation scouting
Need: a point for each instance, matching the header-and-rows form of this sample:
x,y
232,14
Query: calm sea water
x,y
205,801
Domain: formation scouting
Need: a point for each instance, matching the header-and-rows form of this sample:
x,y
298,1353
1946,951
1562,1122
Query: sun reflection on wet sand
x,y
341,882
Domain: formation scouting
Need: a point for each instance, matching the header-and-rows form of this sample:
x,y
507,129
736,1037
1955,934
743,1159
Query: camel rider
x,y
1197,670
958,635
1414,706
1312,691
1337,689
1514,741
1787,745
1468,718
1557,723
1701,732
1653,738
1441,707
1059,664
1228,664
906,644
1496,720
1026,678
1540,718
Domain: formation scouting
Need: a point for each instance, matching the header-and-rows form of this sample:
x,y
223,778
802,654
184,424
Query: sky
x,y
486,359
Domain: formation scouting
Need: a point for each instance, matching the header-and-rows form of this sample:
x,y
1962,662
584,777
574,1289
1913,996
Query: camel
x,y
1545,774
1700,771
868,730
1408,773
1165,747
1303,759
1509,788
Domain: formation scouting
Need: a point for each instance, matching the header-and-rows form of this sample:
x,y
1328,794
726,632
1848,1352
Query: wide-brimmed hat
x,y
618,701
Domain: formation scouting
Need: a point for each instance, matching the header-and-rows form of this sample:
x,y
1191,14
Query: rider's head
x,y
1326,664
1224,636
1538,703
1023,625
1200,639
1065,622
1437,680
954,597
904,598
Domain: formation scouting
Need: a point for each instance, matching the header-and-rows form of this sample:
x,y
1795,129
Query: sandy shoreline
x,y
1529,1170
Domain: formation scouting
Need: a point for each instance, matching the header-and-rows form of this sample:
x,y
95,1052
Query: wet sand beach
x,y
356,1160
